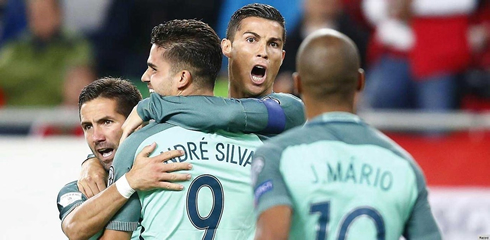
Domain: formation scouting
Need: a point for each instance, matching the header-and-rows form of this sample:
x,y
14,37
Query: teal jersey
x,y
217,203
269,115
69,198
344,180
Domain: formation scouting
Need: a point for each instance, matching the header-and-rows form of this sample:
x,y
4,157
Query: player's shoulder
x,y
284,140
69,194
71,186
286,98
292,106
147,131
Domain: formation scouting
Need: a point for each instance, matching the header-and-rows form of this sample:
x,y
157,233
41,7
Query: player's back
x,y
217,203
345,180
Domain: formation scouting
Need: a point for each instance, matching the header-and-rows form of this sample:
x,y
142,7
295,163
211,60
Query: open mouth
x,y
258,74
106,152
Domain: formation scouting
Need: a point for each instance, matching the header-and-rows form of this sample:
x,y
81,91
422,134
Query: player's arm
x,y
421,224
273,205
147,173
89,218
269,115
93,177
274,223
115,235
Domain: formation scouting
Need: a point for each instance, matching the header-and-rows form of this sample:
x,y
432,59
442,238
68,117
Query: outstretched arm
x,y
147,173
269,115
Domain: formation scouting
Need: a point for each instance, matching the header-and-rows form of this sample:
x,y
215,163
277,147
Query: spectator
x,y
476,94
389,79
318,14
13,19
434,50
35,67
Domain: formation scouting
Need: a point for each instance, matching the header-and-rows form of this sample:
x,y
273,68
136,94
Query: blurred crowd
x,y
417,54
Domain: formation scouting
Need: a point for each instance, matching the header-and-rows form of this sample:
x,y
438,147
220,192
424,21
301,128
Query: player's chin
x,y
107,164
256,89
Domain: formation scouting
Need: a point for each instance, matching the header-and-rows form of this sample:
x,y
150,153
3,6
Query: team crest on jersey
x,y
69,198
110,179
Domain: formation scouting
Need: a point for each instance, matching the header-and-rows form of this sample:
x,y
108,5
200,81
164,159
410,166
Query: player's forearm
x,y
214,113
92,216
194,112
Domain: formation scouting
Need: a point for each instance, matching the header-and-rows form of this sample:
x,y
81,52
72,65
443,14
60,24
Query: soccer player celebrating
x,y
185,59
103,107
337,176
254,46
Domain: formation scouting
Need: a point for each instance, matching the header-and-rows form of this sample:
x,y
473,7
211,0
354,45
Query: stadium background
x,y
41,148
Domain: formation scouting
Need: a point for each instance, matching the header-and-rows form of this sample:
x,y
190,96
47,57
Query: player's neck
x,y
197,92
315,108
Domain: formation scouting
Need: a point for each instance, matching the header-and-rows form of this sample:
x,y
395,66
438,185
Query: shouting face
x,y
101,125
255,55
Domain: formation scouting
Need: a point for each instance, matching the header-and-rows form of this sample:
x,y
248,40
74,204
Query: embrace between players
x,y
215,146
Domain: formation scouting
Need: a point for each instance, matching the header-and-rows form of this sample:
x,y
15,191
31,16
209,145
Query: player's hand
x,y
152,172
131,124
93,178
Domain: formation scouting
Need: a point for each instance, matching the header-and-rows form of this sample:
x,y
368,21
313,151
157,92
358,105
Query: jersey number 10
x,y
324,209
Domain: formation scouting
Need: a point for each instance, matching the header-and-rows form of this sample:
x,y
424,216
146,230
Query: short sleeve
x,y
268,184
68,199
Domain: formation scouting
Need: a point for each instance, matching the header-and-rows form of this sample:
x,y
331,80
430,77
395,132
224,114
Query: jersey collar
x,y
336,117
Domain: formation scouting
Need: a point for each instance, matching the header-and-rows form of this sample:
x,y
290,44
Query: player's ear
x,y
297,83
185,79
226,47
361,80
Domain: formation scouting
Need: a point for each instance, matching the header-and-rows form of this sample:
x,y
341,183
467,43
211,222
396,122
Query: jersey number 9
x,y
210,222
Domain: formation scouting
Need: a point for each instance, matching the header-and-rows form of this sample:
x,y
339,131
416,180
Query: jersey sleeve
x,y
69,198
268,184
421,223
127,218
293,108
270,115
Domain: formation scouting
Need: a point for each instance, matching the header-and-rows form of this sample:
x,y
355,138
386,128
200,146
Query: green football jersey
x,y
217,203
69,198
344,180
268,116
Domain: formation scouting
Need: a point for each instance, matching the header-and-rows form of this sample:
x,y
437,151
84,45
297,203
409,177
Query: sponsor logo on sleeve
x,y
69,198
264,187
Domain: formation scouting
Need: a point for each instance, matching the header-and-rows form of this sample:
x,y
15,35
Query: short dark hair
x,y
123,91
190,44
255,10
